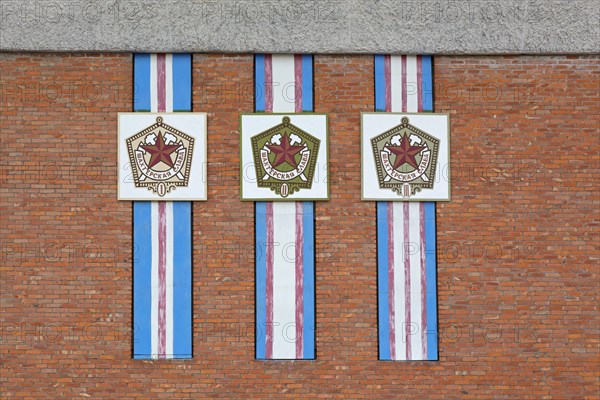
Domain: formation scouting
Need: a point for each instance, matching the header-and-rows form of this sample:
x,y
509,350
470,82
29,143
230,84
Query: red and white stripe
x,y
161,100
406,230
284,280
283,83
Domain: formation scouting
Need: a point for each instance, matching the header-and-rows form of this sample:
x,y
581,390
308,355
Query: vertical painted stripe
x,y
161,89
261,278
298,82
153,83
299,259
162,272
283,83
380,80
404,102
154,284
168,83
422,254
400,251
382,280
182,82
414,254
284,280
269,273
309,280
430,250
410,75
141,82
268,83
396,88
142,294
307,82
407,279
388,82
169,280
427,85
419,84
259,78
391,286
182,279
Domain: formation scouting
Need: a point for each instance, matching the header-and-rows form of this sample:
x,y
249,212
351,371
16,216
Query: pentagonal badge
x,y
162,158
404,157
288,156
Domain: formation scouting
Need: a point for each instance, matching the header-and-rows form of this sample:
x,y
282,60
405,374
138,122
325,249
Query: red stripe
x,y
162,280
405,247
298,81
161,75
423,279
404,93
387,67
269,317
299,280
419,85
392,313
268,83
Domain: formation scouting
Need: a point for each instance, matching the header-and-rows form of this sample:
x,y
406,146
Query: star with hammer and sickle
x,y
405,153
159,151
285,152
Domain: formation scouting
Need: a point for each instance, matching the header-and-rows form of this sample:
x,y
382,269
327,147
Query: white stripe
x,y
169,83
412,102
396,83
283,83
415,281
284,280
169,277
154,281
399,302
153,84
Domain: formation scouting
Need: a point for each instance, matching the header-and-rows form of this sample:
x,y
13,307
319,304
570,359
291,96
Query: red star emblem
x,y
405,153
160,151
285,152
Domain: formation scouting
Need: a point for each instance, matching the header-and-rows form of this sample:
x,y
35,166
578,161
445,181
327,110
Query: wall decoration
x,y
284,156
280,149
405,157
400,146
162,156
162,230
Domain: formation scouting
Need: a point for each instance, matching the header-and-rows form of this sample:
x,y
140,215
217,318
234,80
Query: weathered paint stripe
x,y
162,277
382,281
406,231
309,280
285,302
260,211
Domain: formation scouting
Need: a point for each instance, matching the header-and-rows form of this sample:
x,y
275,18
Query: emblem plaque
x,y
284,156
405,157
163,160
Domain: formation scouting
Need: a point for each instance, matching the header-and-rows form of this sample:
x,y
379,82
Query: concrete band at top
x,y
303,26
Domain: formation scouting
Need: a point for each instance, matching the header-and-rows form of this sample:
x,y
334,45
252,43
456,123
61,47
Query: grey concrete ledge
x,y
319,26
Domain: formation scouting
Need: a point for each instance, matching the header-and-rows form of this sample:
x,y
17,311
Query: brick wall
x,y
518,243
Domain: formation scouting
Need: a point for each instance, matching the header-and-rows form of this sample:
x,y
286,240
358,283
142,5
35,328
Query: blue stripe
x,y
309,280
182,279
259,95
141,81
142,240
261,277
182,82
379,83
142,278
307,82
382,280
430,274
427,83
